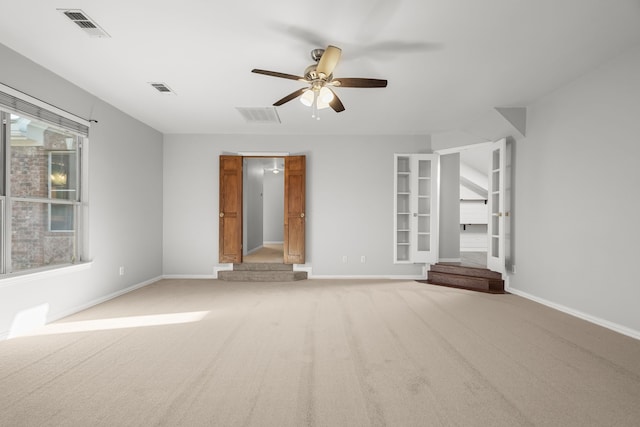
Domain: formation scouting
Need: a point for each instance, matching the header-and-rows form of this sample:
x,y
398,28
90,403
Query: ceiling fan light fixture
x,y
325,95
307,98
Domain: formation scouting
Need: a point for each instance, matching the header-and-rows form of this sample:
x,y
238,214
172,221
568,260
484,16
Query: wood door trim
x,y
294,252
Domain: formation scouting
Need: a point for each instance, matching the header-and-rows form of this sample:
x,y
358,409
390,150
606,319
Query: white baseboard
x,y
576,313
304,267
192,276
368,277
216,269
249,252
450,260
68,312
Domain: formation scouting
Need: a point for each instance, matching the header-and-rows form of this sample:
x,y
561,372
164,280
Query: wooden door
x,y
230,206
294,209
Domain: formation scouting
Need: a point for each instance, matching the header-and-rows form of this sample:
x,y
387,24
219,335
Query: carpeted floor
x,y
269,253
319,353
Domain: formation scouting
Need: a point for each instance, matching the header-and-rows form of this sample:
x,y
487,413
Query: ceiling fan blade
x,y
292,95
329,60
277,74
335,103
358,82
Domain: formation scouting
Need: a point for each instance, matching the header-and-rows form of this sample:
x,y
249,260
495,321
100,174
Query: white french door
x,y
425,208
416,208
497,207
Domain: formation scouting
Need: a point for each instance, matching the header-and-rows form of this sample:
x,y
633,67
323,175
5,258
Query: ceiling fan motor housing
x,y
316,54
312,75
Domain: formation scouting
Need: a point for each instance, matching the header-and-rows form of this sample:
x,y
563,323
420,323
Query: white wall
x,y
349,200
273,190
576,196
125,202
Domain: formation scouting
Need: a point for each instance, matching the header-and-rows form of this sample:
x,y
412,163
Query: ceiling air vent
x,y
259,114
83,21
162,88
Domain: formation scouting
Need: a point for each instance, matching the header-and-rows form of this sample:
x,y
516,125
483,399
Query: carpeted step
x,y
482,284
462,270
262,266
262,276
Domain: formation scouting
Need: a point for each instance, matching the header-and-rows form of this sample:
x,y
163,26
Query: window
x,y
40,184
62,185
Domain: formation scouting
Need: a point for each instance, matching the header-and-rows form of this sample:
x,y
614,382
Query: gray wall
x,y
449,239
253,204
576,204
349,200
125,202
273,190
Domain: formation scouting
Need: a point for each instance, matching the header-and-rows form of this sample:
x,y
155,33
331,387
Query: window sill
x,y
33,275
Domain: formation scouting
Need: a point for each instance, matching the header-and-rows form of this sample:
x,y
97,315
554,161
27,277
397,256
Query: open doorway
x,y
474,214
263,199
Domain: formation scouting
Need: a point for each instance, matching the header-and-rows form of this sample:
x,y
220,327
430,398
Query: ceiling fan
x,y
319,77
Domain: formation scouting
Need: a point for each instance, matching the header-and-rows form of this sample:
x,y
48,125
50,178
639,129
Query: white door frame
x,y
498,266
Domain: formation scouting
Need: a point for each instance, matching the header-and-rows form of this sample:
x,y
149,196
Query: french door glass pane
x,y
424,168
424,205
424,242
495,246
424,222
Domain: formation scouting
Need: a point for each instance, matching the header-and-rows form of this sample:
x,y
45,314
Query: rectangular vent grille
x,y
260,114
83,21
162,88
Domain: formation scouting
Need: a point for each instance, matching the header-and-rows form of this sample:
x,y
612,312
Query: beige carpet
x,y
269,253
319,353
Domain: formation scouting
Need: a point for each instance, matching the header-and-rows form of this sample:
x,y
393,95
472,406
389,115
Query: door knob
x,y
221,214
302,215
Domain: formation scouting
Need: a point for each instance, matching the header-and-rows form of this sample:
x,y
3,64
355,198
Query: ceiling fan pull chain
x,y
315,113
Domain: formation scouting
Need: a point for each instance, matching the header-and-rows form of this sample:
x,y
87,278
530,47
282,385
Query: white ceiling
x,y
447,61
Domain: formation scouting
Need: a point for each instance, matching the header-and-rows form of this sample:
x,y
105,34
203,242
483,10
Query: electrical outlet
x,y
122,270
363,259
344,259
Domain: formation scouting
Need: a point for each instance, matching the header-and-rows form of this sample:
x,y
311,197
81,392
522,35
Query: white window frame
x,y
15,102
